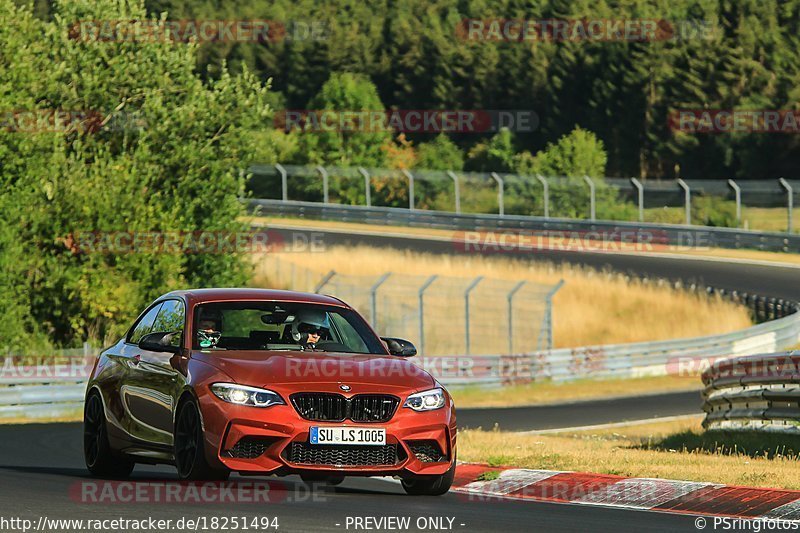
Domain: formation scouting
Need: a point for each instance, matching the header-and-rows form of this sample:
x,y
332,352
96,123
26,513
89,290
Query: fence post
x,y
455,187
367,191
640,189
738,192
546,187
466,311
373,294
687,200
284,182
420,295
324,281
789,203
548,314
324,174
592,200
410,177
500,193
510,298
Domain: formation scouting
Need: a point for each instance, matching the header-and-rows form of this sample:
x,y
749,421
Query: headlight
x,y
242,395
426,401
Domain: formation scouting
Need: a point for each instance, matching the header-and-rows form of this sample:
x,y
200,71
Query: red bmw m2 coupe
x,y
259,381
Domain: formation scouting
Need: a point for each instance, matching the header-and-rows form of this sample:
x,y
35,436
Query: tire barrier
x,y
756,392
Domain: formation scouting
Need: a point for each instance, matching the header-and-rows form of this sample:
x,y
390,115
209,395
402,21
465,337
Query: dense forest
x,y
622,91
412,51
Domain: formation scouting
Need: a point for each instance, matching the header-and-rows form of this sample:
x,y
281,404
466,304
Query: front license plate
x,y
348,435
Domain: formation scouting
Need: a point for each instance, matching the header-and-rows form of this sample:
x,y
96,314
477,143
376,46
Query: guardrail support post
x,y
640,190
546,187
738,192
455,188
410,177
789,203
373,297
510,299
284,182
548,314
324,174
421,295
592,199
324,281
466,311
500,193
687,200
367,191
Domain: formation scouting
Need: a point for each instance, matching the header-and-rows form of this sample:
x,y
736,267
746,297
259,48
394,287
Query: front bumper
x,y
275,429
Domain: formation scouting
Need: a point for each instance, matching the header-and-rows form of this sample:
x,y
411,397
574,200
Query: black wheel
x,y
190,458
100,459
430,485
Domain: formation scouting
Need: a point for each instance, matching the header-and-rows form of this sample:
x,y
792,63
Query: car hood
x,y
269,368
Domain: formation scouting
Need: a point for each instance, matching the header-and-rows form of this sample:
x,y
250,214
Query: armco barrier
x,y
42,392
665,234
760,392
680,357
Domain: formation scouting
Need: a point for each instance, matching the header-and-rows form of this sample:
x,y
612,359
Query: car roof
x,y
199,296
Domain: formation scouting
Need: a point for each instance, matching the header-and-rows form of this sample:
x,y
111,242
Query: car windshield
x,y
265,325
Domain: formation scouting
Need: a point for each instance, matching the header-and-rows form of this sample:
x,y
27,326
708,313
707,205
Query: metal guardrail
x,y
656,234
678,357
267,180
44,391
41,392
760,393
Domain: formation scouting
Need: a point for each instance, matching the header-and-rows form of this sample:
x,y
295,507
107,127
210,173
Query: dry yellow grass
x,y
667,450
592,308
547,392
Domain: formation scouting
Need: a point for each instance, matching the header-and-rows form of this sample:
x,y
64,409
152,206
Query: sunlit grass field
x,y
592,307
669,450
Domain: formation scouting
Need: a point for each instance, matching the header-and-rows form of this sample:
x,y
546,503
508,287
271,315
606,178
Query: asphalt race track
x,y
763,279
42,471
586,413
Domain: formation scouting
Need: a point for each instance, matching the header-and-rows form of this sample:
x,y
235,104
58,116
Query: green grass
x,y
739,443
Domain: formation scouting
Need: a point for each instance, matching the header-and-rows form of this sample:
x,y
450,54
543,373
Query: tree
x,y
439,154
156,150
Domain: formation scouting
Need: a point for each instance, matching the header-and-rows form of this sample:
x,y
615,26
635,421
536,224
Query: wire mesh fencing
x,y
442,315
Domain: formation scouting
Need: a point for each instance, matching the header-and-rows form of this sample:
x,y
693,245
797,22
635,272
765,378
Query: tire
x,y
430,485
100,459
190,457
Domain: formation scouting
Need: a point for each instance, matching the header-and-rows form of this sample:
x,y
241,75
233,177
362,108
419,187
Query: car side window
x,y
144,326
170,318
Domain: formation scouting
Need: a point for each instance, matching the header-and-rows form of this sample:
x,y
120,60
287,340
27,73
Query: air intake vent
x,y
327,407
426,451
250,447
304,453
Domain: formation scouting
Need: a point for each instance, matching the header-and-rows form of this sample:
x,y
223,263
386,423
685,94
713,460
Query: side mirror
x,y
160,342
399,347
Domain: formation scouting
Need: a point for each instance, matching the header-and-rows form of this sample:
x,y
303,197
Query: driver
x,y
208,329
309,327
